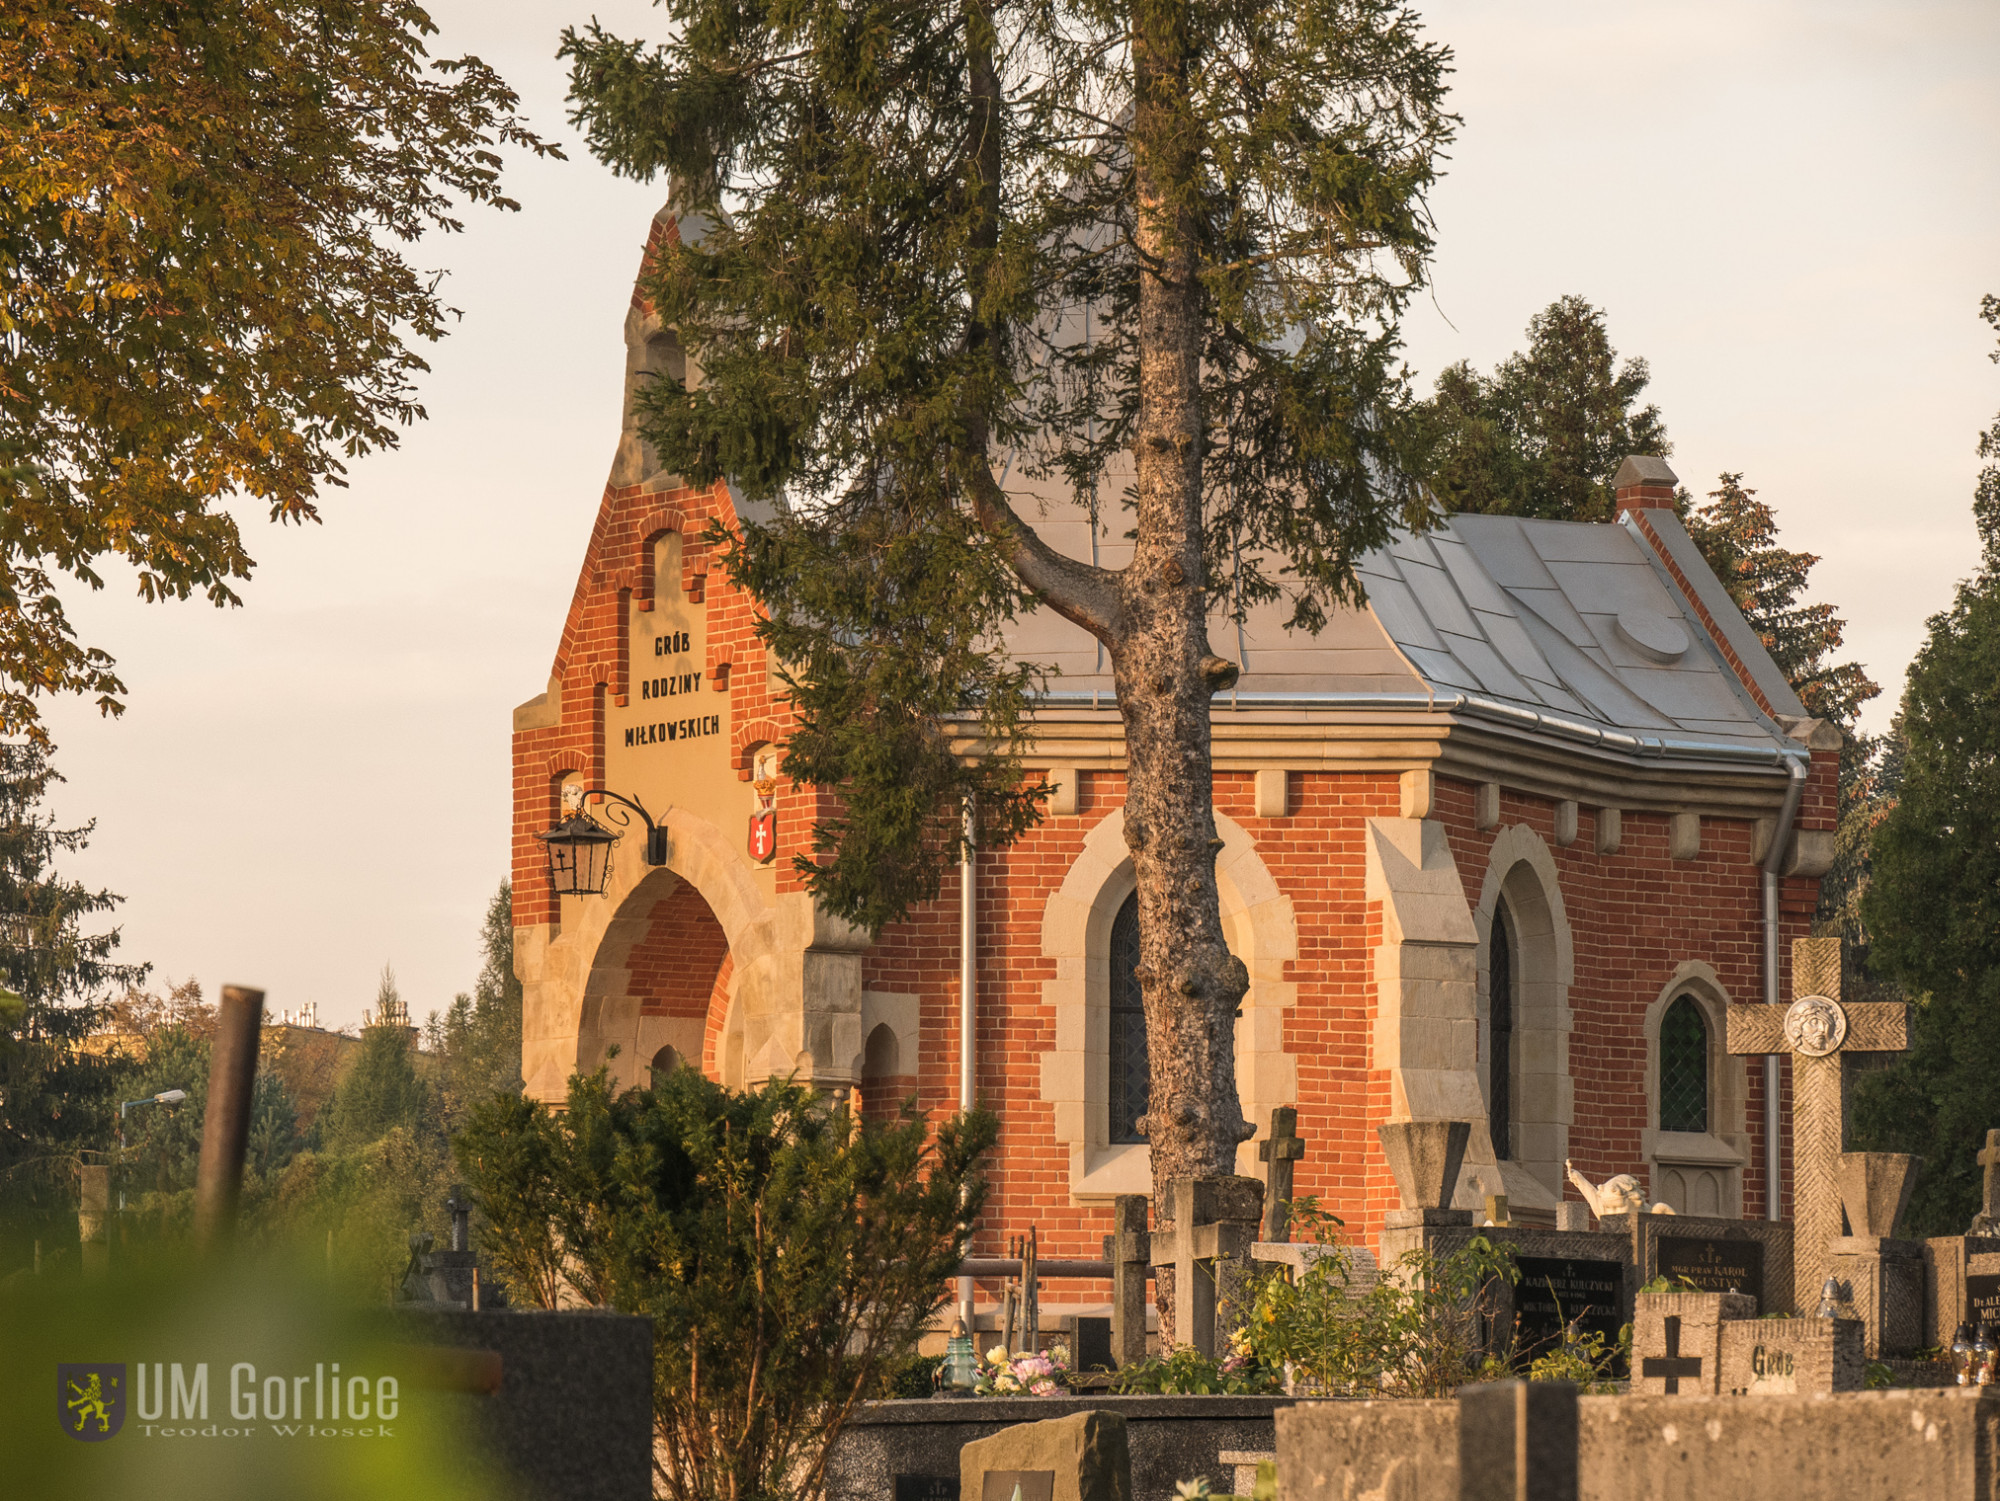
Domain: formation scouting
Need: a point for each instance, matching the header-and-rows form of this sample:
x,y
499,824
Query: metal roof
x,y
1577,626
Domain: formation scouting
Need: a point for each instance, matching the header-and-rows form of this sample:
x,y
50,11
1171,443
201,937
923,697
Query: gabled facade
x,y
1494,848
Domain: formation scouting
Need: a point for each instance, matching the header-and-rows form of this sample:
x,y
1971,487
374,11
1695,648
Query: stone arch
x,y
1698,1172
585,1000
1521,871
1261,929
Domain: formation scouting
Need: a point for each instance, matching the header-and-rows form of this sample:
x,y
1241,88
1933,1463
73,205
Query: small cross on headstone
x,y
1987,1221
1281,1150
1817,1030
1673,1365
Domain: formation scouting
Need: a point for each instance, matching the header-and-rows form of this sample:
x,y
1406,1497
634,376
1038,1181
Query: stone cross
x,y
1208,1250
1281,1150
1129,1249
460,1209
1987,1221
1673,1365
1817,1030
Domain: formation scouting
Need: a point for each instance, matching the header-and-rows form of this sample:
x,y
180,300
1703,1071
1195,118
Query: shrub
x,y
789,1254
1419,1332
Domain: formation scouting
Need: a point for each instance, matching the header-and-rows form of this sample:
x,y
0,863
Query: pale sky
x,y
1790,210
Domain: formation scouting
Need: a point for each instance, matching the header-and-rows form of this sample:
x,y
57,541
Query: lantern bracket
x,y
656,837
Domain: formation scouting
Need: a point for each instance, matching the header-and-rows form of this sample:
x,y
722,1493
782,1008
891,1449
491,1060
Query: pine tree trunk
x,y
1164,669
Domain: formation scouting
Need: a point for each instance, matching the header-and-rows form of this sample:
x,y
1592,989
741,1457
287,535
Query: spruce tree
x,y
1932,903
1545,433
1738,535
1151,254
478,1040
57,1101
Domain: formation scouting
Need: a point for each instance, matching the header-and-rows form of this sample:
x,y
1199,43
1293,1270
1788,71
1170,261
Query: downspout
x,y
1774,860
968,935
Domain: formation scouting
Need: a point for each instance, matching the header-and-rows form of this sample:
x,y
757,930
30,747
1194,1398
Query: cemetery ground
x,y
696,1292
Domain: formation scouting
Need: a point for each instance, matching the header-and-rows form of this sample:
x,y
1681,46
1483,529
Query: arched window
x,y
664,1063
1130,1077
1683,1066
1500,1057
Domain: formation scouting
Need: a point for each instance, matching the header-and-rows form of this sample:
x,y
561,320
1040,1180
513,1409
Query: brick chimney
x,y
1644,483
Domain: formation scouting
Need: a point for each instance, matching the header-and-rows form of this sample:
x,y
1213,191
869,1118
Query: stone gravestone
x,y
1283,1148
1557,1291
1677,1341
1082,1457
1962,1272
1215,1224
1129,1249
1787,1357
1517,1441
1817,1031
1881,1278
1710,1265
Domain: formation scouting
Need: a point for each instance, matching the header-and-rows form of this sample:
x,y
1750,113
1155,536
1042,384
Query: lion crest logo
x,y
90,1401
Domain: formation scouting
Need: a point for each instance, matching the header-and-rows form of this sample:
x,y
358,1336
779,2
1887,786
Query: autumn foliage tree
x,y
205,211
1150,254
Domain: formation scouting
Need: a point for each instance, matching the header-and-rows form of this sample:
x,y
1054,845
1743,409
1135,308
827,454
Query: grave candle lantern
x,y
960,1368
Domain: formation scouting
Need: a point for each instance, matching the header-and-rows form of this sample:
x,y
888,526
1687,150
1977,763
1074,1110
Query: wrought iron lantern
x,y
580,847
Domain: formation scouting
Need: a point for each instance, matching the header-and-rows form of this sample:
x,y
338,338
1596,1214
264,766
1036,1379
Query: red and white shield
x,y
763,835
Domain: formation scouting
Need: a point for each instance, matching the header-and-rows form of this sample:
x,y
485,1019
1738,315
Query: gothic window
x,y
1683,1067
1500,1056
1130,1077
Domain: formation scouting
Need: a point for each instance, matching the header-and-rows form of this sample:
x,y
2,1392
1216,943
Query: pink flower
x,y
1044,1388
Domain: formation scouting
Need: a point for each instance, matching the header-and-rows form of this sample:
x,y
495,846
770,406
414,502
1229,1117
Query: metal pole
x,y
968,937
1774,861
225,1131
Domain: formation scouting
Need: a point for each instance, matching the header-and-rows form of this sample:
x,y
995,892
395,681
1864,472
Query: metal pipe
x,y
1010,1266
1774,860
968,935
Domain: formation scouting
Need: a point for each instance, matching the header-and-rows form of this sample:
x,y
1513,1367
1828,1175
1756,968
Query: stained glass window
x,y
1683,1067
1130,1077
1500,1016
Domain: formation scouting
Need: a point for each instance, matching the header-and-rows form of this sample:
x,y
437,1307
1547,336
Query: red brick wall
x,y
675,968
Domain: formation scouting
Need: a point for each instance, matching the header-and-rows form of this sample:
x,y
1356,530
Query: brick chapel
x,y
1502,846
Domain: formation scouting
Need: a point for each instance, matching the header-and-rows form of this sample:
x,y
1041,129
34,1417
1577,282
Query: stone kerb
x,y
1941,1445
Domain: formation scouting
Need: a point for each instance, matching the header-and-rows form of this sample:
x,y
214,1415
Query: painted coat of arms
x,y
90,1401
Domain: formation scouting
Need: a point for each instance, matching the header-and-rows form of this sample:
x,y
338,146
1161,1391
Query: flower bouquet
x,y
1044,1374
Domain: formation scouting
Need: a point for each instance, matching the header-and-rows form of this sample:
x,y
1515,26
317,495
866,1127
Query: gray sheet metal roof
x,y
1568,621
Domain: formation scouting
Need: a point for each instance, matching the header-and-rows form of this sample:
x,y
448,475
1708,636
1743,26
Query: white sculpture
x,y
1619,1195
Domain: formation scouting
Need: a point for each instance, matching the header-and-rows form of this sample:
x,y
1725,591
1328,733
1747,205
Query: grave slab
x,y
573,1418
1169,1439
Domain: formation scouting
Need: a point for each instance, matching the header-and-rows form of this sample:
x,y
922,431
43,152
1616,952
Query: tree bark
x,y
1151,617
1162,664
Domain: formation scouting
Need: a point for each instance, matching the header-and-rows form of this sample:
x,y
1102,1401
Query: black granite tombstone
x,y
1982,1297
1555,1291
1093,1345
926,1488
1712,1266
